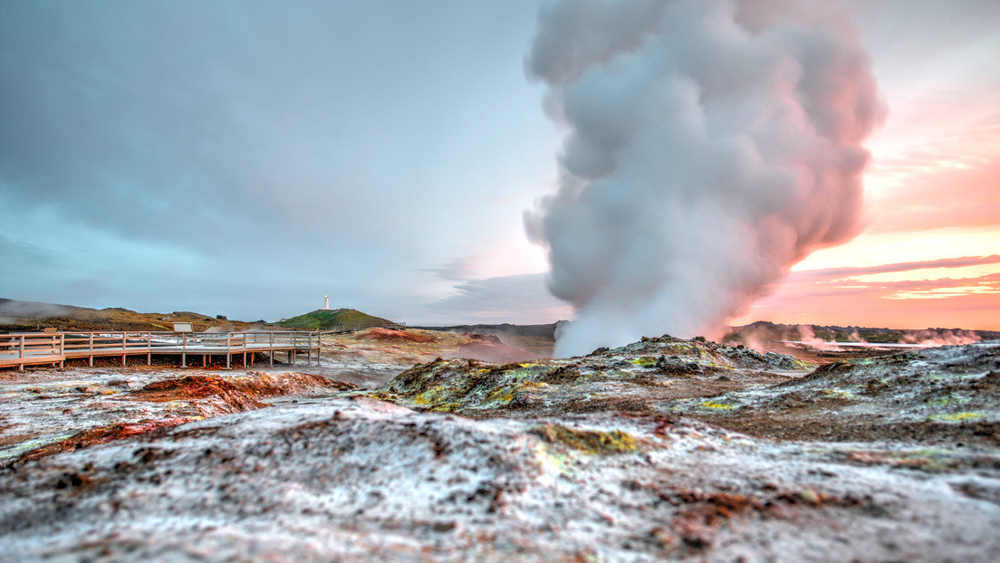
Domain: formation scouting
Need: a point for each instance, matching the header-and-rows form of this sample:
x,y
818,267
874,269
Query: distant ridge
x,y
31,315
540,331
764,330
336,319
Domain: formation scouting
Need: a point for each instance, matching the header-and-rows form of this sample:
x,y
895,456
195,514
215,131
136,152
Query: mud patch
x,y
392,335
238,393
101,435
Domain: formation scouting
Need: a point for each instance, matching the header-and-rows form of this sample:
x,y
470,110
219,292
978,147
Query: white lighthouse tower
x,y
326,302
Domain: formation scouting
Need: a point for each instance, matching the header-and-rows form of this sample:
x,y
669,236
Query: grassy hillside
x,y
29,315
335,319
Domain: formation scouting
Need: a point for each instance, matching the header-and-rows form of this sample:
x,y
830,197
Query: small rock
x,y
442,527
664,537
810,496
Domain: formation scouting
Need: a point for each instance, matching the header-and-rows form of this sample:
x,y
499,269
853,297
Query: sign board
x,y
182,327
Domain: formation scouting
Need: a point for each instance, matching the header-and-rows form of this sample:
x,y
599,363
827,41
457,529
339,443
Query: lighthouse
x,y
326,302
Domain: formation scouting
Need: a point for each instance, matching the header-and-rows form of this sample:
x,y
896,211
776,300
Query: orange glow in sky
x,y
932,192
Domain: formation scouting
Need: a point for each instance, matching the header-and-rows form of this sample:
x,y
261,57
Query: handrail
x,y
24,348
165,332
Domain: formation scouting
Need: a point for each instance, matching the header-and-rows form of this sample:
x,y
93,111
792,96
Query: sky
x,y
248,158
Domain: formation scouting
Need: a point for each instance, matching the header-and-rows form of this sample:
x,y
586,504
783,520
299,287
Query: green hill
x,y
335,319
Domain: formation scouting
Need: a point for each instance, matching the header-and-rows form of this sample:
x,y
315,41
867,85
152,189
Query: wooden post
x,y
149,348
204,362
309,350
319,346
229,344
270,349
184,348
20,355
62,349
91,350
124,346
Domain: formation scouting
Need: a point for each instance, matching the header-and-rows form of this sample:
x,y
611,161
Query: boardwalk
x,y
40,348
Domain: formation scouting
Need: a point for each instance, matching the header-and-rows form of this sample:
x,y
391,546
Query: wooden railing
x,y
32,348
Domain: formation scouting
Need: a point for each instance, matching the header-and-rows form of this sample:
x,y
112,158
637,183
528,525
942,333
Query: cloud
x,y
459,269
939,194
518,299
837,273
253,157
919,294
988,284
247,158
19,255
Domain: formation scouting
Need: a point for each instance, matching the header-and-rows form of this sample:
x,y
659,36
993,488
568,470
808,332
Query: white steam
x,y
807,336
939,337
16,312
710,146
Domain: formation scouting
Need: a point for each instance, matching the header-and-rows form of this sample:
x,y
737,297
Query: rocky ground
x,y
663,449
374,355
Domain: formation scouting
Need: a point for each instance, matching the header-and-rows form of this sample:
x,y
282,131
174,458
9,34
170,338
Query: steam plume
x,y
808,337
931,337
710,146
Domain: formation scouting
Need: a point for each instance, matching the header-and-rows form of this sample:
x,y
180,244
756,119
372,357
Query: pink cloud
x,y
835,273
943,197
837,296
